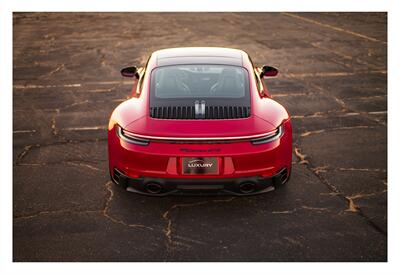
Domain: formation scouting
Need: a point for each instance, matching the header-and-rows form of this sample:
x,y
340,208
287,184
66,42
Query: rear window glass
x,y
199,81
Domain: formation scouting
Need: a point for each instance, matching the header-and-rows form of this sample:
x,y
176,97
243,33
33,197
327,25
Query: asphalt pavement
x,y
66,82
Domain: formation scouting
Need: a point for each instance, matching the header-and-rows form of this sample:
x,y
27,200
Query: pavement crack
x,y
333,27
106,214
166,217
293,241
352,205
361,169
324,169
334,191
336,114
330,74
302,157
31,164
53,122
53,212
81,164
24,153
320,169
57,69
171,244
317,209
279,95
315,170
313,115
68,141
190,240
344,107
308,133
70,162
101,127
75,104
24,131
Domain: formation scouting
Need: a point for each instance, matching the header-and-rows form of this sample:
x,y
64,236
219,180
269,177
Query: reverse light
x,y
128,137
274,135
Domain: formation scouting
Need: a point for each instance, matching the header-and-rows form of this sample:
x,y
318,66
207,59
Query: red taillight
x,y
277,133
130,138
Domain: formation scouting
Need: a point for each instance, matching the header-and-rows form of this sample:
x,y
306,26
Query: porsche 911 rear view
x,y
200,121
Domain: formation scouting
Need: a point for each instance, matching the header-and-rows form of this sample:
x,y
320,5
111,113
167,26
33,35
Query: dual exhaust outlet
x,y
246,187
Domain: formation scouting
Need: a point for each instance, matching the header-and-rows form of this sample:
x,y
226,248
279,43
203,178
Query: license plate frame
x,y
200,165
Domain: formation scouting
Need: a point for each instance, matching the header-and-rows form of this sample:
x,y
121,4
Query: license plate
x,y
200,165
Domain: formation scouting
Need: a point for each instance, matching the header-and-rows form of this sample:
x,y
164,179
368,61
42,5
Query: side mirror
x,y
268,71
130,72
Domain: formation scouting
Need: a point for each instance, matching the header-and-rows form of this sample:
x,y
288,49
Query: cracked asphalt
x,y
67,82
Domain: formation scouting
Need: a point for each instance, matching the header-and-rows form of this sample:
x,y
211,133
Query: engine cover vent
x,y
211,112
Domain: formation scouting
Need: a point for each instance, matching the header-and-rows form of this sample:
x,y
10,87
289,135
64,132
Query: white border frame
x,y
6,9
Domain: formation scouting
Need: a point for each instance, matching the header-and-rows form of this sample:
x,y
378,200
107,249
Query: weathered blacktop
x,y
67,82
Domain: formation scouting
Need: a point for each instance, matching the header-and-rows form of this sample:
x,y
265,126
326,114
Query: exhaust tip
x,y
283,176
247,187
153,188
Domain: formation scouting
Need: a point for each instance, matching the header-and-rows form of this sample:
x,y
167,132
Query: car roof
x,y
199,55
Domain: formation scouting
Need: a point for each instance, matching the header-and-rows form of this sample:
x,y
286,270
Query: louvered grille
x,y
211,112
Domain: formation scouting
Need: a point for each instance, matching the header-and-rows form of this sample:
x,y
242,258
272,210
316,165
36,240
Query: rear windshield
x,y
199,81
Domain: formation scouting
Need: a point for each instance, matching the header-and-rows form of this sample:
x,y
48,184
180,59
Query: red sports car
x,y
200,120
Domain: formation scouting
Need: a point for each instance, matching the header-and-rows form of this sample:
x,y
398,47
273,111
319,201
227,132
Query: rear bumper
x,y
165,159
175,186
